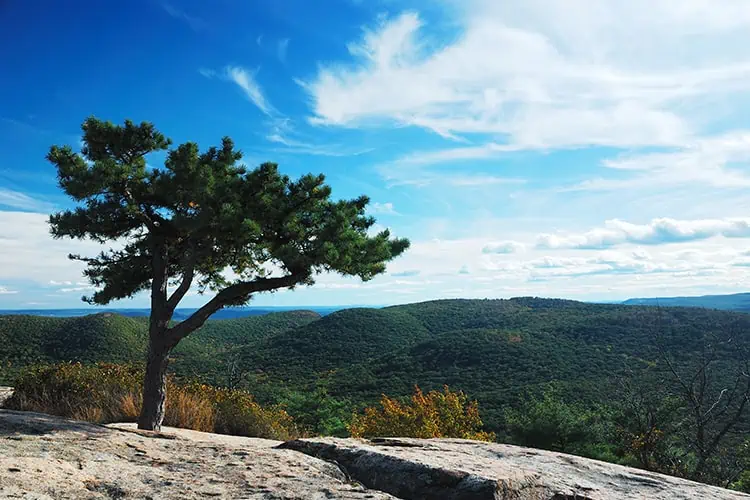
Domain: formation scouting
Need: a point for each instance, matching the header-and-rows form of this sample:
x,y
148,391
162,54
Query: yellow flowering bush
x,y
433,415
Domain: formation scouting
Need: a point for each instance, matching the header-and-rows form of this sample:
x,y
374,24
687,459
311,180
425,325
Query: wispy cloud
x,y
295,146
85,288
22,201
397,174
423,168
503,247
480,180
658,231
206,72
7,291
406,274
338,286
452,155
565,78
718,161
195,23
281,127
246,81
30,127
383,208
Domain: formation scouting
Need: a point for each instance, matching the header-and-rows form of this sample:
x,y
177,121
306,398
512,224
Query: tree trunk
x,y
155,379
154,388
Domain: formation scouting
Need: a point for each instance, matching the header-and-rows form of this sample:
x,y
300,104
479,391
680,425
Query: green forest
x,y
614,382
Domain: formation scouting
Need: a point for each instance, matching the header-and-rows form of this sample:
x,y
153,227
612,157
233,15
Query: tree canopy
x,y
203,219
202,215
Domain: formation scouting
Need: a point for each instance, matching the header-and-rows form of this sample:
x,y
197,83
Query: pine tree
x,y
206,221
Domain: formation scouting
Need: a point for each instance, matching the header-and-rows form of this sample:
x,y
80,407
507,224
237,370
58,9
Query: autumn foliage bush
x,y
437,414
105,392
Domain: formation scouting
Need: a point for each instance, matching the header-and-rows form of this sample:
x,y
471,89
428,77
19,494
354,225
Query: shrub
x,y
236,412
104,393
550,423
88,392
318,412
432,415
743,482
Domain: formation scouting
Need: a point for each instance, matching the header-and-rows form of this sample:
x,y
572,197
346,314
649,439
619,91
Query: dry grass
x,y
189,411
130,406
184,409
105,393
89,414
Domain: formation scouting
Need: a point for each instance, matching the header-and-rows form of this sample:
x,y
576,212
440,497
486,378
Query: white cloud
x,y
477,180
22,201
60,283
246,81
452,155
29,253
547,74
503,247
715,266
295,146
7,291
406,274
658,231
383,208
709,161
337,286
406,172
87,288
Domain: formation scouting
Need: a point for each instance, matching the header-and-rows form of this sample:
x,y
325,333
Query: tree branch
x,y
187,280
149,221
733,420
229,295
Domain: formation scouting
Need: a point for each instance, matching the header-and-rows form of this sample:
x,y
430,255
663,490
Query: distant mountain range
x,y
732,302
179,315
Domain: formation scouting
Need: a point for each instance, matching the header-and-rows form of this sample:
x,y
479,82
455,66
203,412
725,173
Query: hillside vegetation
x,y
109,337
495,350
592,379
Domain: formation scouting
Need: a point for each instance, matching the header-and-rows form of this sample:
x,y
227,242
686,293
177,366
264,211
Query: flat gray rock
x,y
455,469
45,457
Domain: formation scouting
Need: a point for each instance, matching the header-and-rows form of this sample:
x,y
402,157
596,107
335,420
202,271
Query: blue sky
x,y
552,148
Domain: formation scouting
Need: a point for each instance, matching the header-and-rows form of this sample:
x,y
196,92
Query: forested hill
x,y
732,302
110,337
495,350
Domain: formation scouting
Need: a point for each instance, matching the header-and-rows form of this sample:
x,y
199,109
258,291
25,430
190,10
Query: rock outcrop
x,y
44,457
454,469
